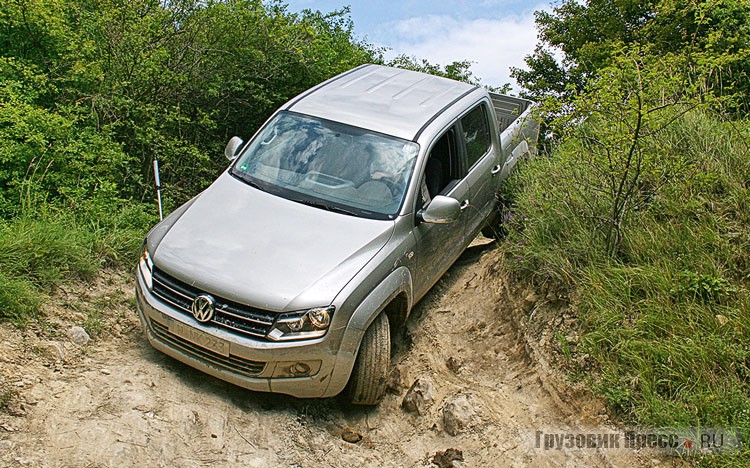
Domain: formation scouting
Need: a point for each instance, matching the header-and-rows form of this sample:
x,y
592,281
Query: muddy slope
x,y
116,402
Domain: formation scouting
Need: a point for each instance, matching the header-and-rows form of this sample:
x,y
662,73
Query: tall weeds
x,y
665,323
47,245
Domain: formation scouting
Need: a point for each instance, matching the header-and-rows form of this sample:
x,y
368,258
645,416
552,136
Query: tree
x,y
459,70
614,139
173,79
712,34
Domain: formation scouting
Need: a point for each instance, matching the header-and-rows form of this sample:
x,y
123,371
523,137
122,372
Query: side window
x,y
476,134
442,167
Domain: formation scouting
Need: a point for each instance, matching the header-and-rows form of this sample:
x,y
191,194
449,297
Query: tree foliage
x,y
91,91
615,139
628,70
713,35
640,209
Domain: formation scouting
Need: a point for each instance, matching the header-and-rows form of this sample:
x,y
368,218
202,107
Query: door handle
x,y
464,205
496,169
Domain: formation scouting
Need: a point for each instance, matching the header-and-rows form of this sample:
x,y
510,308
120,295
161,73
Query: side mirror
x,y
231,150
441,210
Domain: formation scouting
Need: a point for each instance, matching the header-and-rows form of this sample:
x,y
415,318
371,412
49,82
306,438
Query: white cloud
x,y
493,45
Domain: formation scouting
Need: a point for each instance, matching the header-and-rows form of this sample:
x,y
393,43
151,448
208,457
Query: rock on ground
x,y
419,397
458,414
78,336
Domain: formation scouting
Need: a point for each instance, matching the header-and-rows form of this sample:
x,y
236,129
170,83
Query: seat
x,y
434,176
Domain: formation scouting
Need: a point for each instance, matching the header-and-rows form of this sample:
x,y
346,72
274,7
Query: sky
x,y
493,34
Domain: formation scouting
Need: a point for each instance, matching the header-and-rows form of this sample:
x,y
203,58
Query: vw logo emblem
x,y
203,308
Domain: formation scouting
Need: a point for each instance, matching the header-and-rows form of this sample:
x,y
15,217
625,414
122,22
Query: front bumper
x,y
245,362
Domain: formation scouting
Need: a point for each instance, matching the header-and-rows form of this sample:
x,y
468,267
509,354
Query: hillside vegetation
x,y
640,210
663,323
92,91
637,207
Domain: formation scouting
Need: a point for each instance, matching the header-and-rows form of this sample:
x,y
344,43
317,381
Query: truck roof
x,y
388,100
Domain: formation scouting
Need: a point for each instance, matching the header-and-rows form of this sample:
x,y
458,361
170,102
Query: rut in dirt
x,y
121,403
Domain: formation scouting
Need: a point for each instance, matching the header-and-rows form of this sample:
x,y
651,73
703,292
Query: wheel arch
x,y
393,296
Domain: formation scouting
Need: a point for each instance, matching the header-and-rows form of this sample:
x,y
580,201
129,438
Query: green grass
x,y
41,250
667,319
6,396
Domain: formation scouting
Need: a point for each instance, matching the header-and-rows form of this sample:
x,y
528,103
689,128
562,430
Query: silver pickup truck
x,y
292,271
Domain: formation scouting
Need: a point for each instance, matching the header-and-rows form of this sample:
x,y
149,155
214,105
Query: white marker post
x,y
157,179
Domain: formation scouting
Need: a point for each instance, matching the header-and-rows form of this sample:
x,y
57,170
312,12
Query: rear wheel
x,y
367,382
494,231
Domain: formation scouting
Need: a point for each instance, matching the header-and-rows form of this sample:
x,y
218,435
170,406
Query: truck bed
x,y
517,128
508,109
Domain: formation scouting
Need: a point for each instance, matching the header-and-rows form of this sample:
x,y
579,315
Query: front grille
x,y
232,363
240,318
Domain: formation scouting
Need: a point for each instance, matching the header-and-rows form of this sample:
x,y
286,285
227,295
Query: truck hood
x,y
249,246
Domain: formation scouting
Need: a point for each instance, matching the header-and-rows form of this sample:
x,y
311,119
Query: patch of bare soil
x,y
114,401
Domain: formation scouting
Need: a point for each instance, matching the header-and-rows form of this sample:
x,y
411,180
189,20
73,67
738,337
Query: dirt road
x,y
116,402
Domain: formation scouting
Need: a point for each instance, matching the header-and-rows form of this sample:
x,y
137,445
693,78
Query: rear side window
x,y
476,133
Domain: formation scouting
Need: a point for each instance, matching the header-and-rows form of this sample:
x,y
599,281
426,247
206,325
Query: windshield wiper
x,y
324,206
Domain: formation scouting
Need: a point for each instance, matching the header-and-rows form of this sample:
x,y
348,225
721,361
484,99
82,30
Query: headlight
x,y
146,266
306,324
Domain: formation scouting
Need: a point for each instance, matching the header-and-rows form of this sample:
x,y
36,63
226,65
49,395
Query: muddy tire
x,y
367,382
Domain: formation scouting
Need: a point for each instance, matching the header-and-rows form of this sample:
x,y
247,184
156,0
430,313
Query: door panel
x,y
438,245
482,163
482,194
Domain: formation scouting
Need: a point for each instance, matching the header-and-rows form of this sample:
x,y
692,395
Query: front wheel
x,y
367,382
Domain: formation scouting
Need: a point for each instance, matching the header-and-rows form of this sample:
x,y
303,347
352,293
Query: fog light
x,y
292,369
299,369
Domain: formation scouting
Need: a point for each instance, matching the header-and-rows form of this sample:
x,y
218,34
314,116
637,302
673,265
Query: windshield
x,y
329,165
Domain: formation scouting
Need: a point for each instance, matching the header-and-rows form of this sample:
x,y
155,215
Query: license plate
x,y
200,338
